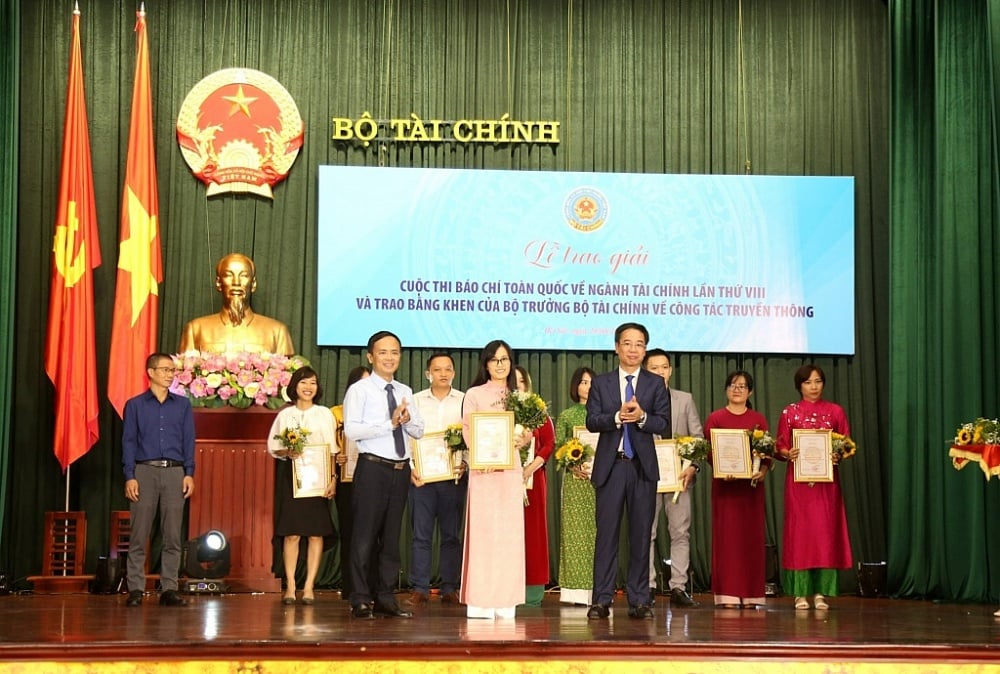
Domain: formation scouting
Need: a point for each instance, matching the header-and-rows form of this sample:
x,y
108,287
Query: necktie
x,y
626,441
397,433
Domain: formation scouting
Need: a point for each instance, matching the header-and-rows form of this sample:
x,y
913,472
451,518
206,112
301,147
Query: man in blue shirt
x,y
158,461
378,415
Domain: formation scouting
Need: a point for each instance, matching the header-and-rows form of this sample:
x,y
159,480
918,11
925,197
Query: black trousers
x,y
379,499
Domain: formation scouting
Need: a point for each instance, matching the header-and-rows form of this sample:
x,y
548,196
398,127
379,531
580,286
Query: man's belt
x,y
161,463
395,465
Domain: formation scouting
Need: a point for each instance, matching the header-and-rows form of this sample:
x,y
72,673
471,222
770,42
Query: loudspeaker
x,y
872,579
110,578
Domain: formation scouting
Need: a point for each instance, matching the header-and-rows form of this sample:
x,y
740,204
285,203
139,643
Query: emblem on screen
x,y
586,209
239,131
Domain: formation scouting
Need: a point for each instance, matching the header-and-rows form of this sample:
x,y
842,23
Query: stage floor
x,y
82,632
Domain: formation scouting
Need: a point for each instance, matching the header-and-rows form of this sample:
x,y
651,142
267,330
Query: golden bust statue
x,y
236,327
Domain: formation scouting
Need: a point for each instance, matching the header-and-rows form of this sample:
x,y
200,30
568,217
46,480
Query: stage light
x,y
206,559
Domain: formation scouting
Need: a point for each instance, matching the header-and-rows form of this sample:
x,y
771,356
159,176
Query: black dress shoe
x,y
641,612
599,612
134,598
391,611
680,598
362,611
171,598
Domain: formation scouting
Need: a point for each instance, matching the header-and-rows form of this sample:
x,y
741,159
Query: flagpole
x,y
66,505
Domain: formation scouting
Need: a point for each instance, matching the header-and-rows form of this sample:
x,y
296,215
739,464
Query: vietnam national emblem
x,y
240,131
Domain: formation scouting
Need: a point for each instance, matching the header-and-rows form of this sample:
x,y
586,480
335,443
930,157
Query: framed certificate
x,y
731,453
311,471
815,462
492,441
347,469
432,457
670,466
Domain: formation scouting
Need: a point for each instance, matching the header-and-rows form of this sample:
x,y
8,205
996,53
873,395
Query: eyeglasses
x,y
168,370
737,387
498,361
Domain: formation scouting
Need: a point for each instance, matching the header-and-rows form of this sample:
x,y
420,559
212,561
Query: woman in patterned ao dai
x,y
815,542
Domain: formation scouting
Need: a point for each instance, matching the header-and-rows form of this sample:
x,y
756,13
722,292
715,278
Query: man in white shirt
x,y
684,421
378,415
444,501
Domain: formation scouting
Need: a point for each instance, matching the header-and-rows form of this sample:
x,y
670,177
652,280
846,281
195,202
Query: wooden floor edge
x,y
504,651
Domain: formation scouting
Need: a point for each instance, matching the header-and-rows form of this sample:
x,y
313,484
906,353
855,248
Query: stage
x,y
256,633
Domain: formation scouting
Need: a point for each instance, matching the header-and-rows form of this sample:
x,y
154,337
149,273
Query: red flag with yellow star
x,y
70,359
136,314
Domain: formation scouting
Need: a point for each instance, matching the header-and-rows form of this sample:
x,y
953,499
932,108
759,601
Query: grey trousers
x,y
679,526
158,488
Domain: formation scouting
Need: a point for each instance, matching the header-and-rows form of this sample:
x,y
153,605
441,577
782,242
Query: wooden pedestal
x,y
234,478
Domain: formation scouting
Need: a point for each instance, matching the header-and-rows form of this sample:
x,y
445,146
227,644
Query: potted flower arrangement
x,y
977,441
240,379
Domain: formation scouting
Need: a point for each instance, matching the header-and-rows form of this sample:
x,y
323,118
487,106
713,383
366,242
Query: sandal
x,y
997,613
820,602
801,604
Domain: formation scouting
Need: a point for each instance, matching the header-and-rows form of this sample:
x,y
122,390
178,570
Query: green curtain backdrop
x,y
10,45
944,538
643,86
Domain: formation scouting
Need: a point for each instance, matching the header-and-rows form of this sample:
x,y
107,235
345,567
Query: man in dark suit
x,y
627,407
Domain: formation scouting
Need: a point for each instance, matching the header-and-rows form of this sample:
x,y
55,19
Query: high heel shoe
x,y
307,600
286,600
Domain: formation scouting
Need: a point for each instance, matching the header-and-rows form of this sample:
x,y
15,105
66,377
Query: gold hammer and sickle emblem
x,y
65,242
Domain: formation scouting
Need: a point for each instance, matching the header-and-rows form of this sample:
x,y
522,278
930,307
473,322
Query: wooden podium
x,y
234,478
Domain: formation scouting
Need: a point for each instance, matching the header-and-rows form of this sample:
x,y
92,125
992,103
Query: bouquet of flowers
x,y
530,412
761,443
235,379
293,439
843,446
693,449
979,432
573,454
455,441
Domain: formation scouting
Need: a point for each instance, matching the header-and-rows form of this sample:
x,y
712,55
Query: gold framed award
x,y
731,457
492,441
432,457
669,462
815,462
311,471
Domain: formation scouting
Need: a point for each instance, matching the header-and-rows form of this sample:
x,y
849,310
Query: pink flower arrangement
x,y
235,379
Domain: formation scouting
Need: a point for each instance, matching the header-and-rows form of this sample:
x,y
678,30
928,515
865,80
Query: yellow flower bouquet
x,y
843,446
455,441
573,454
761,443
693,449
293,439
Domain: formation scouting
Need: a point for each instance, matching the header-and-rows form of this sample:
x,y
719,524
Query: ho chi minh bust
x,y
236,327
